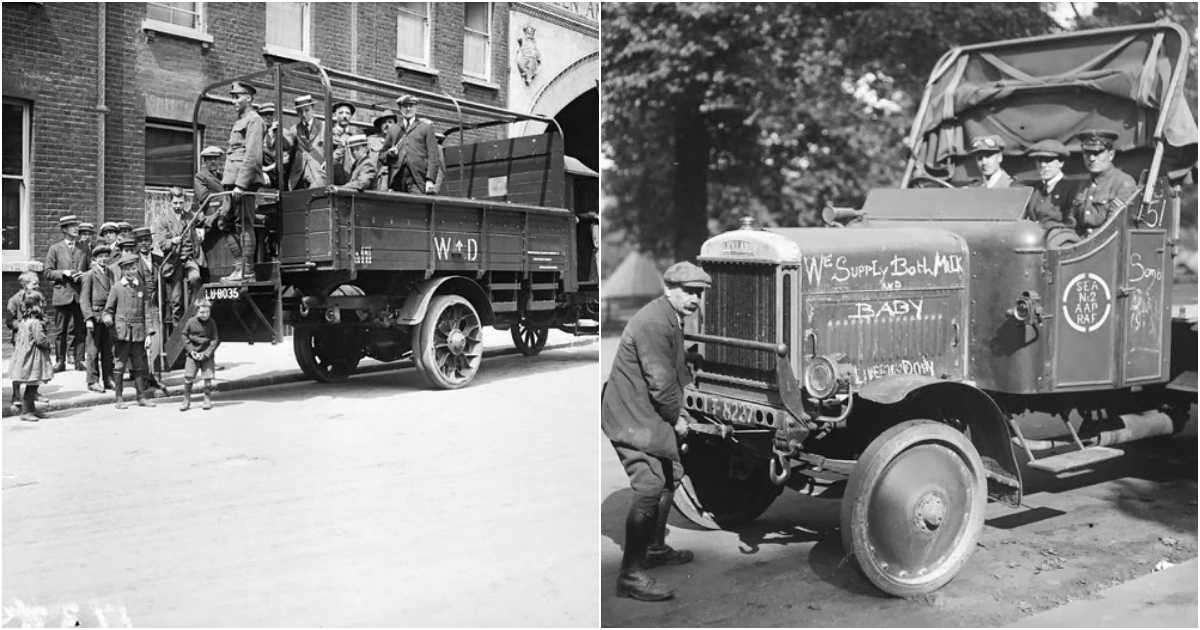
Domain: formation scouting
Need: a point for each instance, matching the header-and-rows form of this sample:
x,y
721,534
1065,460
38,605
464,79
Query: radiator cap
x,y
748,223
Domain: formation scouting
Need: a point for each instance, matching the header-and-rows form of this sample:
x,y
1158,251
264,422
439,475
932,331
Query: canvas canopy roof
x,y
1127,79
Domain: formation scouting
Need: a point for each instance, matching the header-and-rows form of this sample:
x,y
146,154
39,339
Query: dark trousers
x,y
407,181
131,354
653,480
68,320
99,355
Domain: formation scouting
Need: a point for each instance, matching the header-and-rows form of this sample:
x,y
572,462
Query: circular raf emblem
x,y
1086,302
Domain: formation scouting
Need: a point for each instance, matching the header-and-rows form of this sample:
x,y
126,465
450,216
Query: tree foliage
x,y
716,111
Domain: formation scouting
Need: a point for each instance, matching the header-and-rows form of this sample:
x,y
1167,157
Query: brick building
x,y
99,97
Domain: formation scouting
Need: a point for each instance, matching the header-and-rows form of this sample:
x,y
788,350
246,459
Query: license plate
x,y
222,293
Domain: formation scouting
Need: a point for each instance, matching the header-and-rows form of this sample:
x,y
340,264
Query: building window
x,y
288,26
170,155
184,19
412,32
477,40
16,177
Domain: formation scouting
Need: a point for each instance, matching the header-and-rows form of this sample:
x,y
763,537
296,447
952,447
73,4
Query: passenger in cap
x,y
271,138
361,175
642,415
1050,204
988,152
1108,191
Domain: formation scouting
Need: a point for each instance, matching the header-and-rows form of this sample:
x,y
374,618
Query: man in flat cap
x,y
124,228
125,313
340,133
307,169
1050,204
207,182
87,232
641,412
1108,190
243,173
411,151
361,174
988,152
108,233
182,256
97,283
66,262
272,138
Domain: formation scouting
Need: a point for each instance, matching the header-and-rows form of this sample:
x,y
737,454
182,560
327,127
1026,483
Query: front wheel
x,y
448,346
914,507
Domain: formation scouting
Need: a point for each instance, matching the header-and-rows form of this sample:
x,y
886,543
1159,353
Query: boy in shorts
x,y
202,341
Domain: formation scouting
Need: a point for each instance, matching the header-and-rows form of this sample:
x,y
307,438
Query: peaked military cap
x,y
344,104
304,100
141,232
685,274
242,88
986,144
1096,139
87,227
211,151
126,259
407,99
66,220
108,226
1049,148
266,108
102,248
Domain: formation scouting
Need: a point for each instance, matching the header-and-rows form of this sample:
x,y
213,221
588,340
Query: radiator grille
x,y
740,304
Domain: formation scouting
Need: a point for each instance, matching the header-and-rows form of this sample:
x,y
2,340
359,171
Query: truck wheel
x,y
321,354
914,507
448,346
529,339
724,487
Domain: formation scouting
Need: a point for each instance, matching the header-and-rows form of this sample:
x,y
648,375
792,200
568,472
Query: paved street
x,y
375,502
1074,538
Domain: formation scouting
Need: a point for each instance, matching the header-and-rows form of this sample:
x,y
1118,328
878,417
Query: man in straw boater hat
x,y
66,262
307,168
1108,190
642,414
361,174
411,151
243,173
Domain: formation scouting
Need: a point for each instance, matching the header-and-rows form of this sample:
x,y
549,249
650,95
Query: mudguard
x,y
417,302
989,430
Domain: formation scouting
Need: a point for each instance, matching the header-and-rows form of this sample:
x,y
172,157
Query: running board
x,y
1075,459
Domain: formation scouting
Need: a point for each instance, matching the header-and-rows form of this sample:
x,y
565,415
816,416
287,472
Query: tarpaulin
x,y
1030,90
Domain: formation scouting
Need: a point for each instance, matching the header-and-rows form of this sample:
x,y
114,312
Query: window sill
x,y
166,28
288,54
412,66
482,83
21,266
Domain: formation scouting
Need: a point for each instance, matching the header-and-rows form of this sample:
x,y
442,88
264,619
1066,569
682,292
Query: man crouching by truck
x,y
642,415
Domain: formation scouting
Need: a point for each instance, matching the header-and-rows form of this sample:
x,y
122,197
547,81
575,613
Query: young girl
x,y
31,365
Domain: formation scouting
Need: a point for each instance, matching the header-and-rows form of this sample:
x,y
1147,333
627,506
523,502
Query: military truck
x,y
891,355
508,242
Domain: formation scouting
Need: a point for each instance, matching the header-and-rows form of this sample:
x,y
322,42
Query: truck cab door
x,y
1085,304
1145,279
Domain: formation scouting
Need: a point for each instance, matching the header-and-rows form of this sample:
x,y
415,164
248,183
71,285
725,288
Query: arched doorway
x,y
572,98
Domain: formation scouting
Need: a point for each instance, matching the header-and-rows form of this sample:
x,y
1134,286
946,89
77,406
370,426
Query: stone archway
x,y
572,99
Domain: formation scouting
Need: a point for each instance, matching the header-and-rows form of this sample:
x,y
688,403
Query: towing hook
x,y
780,471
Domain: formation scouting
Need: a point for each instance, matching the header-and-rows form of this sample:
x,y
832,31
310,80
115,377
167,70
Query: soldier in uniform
x,y
66,262
97,283
988,152
243,173
642,414
411,151
125,313
307,169
1108,190
1050,204
361,175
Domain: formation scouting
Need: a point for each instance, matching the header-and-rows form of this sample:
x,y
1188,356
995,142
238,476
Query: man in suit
x,y
125,313
182,256
988,152
641,412
375,145
97,282
66,262
243,173
411,151
361,175
307,169
1108,190
272,138
149,273
1051,200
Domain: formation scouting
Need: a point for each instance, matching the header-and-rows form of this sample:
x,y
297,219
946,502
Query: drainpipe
x,y
101,106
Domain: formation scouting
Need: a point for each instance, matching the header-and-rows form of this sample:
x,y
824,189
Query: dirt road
x,y
1075,536
374,502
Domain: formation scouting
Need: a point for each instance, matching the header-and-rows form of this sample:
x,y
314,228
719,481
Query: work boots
x,y
207,397
236,276
187,396
119,388
660,553
29,411
640,526
140,386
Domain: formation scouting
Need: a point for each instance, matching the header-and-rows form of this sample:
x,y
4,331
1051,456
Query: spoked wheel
x,y
324,354
914,507
724,486
448,346
529,339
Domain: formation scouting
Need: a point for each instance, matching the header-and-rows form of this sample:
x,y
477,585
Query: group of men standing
x,y
1067,213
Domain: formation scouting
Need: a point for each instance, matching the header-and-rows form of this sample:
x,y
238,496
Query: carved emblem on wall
x,y
529,60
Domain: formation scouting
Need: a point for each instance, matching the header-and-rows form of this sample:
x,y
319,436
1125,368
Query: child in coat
x,y
202,341
30,364
15,312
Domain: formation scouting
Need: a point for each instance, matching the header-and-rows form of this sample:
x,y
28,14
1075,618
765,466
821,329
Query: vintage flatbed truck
x,y
508,243
891,356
